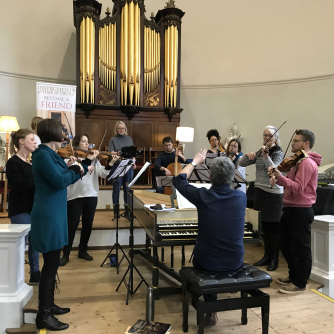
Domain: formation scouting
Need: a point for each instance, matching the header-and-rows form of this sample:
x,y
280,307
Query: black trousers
x,y
210,297
80,207
295,243
48,279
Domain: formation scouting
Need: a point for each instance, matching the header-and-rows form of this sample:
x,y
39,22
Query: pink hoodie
x,y
301,182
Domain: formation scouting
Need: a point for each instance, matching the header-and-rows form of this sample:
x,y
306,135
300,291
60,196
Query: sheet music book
x,y
183,203
143,169
122,168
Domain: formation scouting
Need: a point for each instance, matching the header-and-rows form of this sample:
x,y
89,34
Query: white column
x,y
14,293
322,241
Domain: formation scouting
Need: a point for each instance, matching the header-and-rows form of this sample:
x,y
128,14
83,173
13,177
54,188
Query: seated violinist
x,y
221,220
82,200
165,159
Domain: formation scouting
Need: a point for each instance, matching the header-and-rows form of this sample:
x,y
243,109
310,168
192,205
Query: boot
x,y
82,254
45,319
56,310
267,249
274,251
64,260
210,319
35,277
116,210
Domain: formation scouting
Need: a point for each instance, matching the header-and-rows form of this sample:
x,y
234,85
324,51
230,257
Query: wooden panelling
x,y
109,125
164,129
92,127
142,133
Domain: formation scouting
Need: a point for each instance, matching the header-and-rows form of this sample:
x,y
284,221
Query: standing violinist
x,y
234,153
300,192
82,201
267,199
165,159
213,138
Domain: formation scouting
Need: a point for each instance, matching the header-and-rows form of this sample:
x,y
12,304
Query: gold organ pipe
x,y
122,55
126,39
159,56
112,56
176,41
102,55
145,56
87,58
131,51
171,63
136,43
109,55
92,58
81,57
167,68
138,53
114,49
105,55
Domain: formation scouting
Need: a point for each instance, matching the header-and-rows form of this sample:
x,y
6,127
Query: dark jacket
x,y
221,222
49,214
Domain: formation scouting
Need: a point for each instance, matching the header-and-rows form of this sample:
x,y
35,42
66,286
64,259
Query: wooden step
x,y
25,329
32,305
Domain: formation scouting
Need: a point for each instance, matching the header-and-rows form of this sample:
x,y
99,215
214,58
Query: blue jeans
x,y
117,184
33,256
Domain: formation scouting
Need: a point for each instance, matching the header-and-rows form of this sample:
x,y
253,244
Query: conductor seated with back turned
x,y
221,219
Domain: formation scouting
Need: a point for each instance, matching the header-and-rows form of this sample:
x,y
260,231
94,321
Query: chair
x,y
153,154
247,279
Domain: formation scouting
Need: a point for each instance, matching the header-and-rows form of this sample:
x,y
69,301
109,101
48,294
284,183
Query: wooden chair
x,y
153,154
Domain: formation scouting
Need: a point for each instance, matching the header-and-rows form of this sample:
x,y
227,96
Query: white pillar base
x,y
11,315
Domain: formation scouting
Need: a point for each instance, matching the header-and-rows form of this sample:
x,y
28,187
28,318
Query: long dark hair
x,y
228,146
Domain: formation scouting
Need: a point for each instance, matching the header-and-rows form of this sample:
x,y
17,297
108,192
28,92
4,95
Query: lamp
x,y
7,124
184,134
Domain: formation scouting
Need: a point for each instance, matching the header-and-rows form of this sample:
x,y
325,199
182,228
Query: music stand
x,y
120,171
210,156
238,179
131,267
200,173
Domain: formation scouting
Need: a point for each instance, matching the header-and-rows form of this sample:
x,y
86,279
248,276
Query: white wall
x,y
238,58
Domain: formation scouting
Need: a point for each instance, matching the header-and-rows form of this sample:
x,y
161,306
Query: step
x,y
24,329
31,308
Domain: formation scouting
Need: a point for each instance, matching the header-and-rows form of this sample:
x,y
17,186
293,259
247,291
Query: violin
x,y
290,162
67,152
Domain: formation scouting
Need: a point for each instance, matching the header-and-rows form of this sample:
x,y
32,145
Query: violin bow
x,y
69,126
102,139
259,151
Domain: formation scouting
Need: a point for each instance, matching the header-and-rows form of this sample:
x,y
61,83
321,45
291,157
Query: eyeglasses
x,y
213,140
120,128
297,140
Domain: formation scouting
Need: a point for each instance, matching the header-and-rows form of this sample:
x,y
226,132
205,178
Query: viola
x,y
290,162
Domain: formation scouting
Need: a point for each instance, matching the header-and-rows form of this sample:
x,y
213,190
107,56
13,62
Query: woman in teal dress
x,y
49,215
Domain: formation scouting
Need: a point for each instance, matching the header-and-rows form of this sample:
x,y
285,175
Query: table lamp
x,y
7,124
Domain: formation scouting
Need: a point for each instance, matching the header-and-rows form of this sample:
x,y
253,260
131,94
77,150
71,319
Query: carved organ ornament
x,y
127,61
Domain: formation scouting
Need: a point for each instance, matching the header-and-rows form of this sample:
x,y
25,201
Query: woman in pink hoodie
x,y
300,193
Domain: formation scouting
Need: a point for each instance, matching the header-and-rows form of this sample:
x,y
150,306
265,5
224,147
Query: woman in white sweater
x,y
82,201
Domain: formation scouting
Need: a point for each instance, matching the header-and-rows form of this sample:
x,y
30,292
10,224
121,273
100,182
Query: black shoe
x,y
35,277
116,210
210,319
45,319
273,264
263,262
64,260
82,254
56,310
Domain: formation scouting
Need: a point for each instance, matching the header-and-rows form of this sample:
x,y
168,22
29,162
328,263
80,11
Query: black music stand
x,y
238,179
200,173
120,171
131,267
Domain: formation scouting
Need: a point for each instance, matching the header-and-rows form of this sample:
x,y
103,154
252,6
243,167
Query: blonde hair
x,y
116,126
15,139
35,121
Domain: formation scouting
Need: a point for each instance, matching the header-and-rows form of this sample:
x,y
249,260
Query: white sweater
x,y
89,185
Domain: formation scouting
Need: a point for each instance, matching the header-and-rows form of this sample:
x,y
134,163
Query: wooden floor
x,y
96,308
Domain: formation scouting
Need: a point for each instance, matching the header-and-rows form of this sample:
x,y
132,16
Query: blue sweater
x,y
49,230
221,220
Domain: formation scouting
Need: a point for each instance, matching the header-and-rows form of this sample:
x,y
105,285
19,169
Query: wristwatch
x,y
193,163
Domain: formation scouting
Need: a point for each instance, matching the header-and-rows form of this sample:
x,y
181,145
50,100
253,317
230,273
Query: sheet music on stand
x,y
143,169
200,173
164,181
210,156
123,167
183,203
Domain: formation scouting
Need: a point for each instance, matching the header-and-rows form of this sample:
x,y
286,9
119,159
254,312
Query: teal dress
x,y
49,230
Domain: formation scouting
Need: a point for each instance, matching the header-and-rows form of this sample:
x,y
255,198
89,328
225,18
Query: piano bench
x,y
247,279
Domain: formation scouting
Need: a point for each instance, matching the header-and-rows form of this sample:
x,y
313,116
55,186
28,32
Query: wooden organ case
x,y
128,68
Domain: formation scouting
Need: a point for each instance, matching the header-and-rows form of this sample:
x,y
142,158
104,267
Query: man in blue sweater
x,y
221,219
